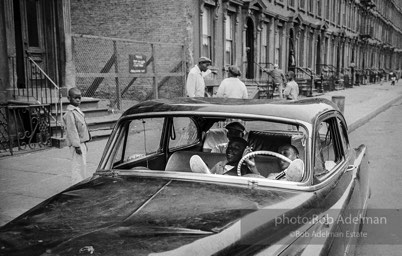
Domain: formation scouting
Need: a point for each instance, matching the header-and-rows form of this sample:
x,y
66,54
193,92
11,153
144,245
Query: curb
x,y
358,123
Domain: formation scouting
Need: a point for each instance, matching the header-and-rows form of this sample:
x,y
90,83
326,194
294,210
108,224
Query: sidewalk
x,y
28,179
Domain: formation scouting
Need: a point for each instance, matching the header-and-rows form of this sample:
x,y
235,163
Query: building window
x,y
319,8
292,3
301,49
302,4
32,17
334,11
278,46
207,29
264,44
229,35
310,6
310,50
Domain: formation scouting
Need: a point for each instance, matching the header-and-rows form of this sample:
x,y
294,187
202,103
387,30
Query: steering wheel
x,y
260,152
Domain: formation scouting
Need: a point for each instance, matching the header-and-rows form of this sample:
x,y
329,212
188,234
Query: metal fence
x,y
24,128
121,70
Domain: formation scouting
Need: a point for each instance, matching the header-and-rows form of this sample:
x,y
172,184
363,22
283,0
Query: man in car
x,y
295,172
237,147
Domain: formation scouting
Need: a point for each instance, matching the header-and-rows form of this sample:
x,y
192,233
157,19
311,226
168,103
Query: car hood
x,y
134,216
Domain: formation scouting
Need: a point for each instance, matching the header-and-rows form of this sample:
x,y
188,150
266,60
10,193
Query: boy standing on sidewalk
x,y
77,135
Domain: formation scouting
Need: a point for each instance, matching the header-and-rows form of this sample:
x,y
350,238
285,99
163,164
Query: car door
x,y
332,167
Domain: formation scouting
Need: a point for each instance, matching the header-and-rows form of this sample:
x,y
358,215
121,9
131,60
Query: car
x,y
146,198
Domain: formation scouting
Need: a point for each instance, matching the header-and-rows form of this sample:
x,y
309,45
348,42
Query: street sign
x,y
137,63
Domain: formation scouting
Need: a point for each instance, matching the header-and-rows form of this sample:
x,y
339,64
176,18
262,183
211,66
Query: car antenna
x,y
145,139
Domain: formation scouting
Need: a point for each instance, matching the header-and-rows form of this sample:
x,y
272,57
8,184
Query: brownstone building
x,y
77,42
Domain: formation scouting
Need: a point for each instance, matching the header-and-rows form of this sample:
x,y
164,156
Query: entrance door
x,y
35,37
250,49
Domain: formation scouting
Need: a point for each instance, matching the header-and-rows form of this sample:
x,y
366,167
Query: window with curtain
x,y
229,35
319,8
310,6
207,29
301,49
302,4
292,3
277,47
264,43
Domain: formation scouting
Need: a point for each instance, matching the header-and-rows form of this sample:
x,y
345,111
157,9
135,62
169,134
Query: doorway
x,y
318,55
292,57
250,49
36,37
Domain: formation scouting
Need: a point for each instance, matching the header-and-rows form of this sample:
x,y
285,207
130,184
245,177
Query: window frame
x,y
229,16
207,31
339,152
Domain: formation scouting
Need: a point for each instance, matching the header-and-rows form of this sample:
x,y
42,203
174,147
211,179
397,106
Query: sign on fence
x,y
137,63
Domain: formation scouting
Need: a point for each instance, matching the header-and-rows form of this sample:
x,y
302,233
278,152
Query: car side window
x,y
142,137
183,133
326,154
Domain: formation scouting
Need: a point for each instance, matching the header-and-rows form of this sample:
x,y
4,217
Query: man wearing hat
x,y
217,142
195,81
278,79
232,87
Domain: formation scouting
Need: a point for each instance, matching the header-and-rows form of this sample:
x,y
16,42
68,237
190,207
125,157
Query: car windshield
x,y
167,143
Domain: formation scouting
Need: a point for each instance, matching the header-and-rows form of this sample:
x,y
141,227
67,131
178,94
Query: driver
x,y
289,174
237,148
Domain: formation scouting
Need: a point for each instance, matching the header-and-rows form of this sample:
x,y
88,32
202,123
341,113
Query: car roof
x,y
304,110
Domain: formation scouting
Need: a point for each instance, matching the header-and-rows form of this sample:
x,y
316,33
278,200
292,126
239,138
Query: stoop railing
x,y
40,89
26,124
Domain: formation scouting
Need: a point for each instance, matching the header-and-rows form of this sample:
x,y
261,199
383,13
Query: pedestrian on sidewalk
x,y
195,81
77,135
393,77
291,91
278,79
232,87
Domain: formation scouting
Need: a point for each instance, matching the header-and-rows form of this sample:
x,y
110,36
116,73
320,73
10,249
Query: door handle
x,y
351,168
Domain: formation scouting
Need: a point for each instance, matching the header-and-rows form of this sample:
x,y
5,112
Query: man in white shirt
x,y
294,173
232,87
195,80
291,91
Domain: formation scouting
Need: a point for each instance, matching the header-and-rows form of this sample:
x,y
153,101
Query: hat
x,y
291,74
204,59
276,66
234,70
235,126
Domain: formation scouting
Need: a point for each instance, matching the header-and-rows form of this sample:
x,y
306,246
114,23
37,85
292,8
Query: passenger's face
x,y
234,152
289,153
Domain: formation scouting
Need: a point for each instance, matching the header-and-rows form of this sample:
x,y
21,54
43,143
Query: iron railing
x,y
38,88
24,128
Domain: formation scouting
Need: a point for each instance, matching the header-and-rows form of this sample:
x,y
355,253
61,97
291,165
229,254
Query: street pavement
x,y
28,179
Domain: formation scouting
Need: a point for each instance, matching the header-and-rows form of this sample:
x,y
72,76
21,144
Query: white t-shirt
x,y
232,87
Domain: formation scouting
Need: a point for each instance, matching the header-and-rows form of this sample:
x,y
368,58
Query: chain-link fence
x,y
124,71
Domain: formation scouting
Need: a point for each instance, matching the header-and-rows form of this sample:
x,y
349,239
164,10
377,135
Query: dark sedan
x,y
147,197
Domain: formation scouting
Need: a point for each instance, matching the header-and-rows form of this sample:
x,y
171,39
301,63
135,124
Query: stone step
x,y
91,112
60,142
